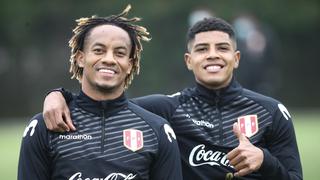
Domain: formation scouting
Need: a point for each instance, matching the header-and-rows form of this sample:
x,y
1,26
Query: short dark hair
x,y
210,24
85,25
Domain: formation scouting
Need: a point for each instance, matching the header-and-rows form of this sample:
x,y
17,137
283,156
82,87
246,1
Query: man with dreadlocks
x,y
115,139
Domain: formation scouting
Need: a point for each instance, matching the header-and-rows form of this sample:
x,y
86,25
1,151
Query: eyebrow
x,y
201,44
223,43
117,47
206,44
98,44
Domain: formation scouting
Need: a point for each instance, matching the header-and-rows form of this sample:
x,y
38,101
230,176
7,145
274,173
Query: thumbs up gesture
x,y
246,158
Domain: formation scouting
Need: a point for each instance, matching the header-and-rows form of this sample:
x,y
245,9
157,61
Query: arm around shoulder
x,y
159,104
56,112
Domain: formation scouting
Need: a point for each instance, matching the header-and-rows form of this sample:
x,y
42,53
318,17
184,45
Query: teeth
x,y
107,71
213,68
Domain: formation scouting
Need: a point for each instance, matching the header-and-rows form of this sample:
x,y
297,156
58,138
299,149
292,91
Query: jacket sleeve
x,y
281,157
167,163
68,96
34,161
161,105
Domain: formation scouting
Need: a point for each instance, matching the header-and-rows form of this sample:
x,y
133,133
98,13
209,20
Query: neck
x,y
217,86
100,94
213,87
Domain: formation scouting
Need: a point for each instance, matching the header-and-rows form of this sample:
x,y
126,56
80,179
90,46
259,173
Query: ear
x,y
237,59
130,66
80,58
187,60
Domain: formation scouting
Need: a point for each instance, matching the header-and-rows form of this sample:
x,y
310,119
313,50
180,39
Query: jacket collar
x,y
101,107
220,96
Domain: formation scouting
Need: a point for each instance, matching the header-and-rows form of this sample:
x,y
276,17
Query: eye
x,y
98,51
223,48
202,49
120,53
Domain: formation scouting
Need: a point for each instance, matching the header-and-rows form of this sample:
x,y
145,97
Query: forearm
x,y
68,96
56,112
272,168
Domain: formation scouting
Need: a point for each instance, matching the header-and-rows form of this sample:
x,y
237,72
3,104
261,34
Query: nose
x,y
212,54
108,58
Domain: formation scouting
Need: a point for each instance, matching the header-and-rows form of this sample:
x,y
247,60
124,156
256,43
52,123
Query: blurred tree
x,y
34,52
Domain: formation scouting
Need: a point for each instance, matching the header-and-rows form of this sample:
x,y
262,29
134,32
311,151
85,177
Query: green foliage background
x,y
34,53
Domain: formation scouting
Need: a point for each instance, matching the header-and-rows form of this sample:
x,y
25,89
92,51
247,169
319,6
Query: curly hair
x,y
210,24
136,34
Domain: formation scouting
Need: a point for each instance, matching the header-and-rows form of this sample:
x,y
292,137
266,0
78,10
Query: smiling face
x,y
212,57
105,61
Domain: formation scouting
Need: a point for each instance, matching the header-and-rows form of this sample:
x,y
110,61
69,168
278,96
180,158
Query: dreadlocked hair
x,y
136,34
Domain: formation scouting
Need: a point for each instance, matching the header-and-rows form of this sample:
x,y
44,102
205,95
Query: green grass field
x,y
307,125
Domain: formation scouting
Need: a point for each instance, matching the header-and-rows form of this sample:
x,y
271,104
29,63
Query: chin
x,y
109,85
213,81
105,87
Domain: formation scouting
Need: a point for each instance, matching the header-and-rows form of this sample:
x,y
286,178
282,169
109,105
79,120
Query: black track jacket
x,y
203,119
115,140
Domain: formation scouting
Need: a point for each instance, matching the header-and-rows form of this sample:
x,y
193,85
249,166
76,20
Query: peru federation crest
x,y
248,125
133,139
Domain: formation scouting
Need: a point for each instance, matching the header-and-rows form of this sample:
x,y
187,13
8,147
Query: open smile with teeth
x,y
213,68
107,71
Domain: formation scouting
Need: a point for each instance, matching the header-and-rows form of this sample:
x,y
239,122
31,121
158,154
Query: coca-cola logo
x,y
112,176
200,156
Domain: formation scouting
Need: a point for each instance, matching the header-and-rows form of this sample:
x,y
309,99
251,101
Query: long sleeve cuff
x,y
66,94
269,164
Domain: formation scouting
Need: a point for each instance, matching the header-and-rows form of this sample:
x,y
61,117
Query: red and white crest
x,y
248,125
133,139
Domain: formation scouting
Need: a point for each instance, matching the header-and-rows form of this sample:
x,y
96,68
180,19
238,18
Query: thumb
x,y
237,132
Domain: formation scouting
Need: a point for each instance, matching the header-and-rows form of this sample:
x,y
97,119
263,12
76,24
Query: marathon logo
x,y
203,123
75,137
200,122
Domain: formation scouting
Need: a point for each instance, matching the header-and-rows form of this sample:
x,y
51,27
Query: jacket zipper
x,y
219,117
103,131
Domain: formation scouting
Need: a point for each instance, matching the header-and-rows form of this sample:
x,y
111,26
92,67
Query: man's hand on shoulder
x,y
56,113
